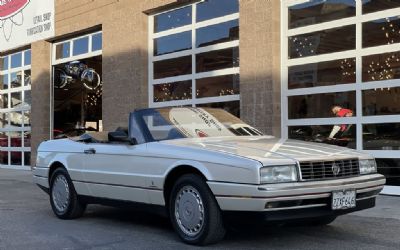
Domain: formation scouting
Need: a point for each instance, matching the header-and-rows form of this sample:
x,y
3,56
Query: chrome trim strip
x,y
295,207
300,197
116,185
325,183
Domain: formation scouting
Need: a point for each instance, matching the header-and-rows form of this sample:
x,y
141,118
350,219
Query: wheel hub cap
x,y
60,193
189,211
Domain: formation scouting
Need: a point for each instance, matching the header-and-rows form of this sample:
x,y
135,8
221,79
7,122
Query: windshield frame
x,y
138,123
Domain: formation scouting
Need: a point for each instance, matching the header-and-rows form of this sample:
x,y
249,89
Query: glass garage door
x,y
15,110
341,68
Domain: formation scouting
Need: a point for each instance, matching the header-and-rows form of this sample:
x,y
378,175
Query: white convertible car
x,y
202,165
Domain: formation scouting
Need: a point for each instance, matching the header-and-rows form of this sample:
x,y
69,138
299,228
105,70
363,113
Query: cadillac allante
x,y
200,165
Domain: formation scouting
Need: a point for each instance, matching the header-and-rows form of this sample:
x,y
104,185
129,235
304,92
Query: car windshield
x,y
176,123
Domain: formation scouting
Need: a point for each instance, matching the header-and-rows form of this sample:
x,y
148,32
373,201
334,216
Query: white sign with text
x,y
25,21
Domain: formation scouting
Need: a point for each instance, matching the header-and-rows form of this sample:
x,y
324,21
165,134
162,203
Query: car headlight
x,y
277,174
367,166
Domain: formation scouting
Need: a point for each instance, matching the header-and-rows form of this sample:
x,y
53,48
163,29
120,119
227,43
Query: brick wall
x,y
260,64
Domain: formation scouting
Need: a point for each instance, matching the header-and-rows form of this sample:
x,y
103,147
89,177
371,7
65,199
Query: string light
x,y
168,93
384,71
93,98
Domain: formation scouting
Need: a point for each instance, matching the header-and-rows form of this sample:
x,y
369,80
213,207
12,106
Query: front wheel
x,y
194,212
63,197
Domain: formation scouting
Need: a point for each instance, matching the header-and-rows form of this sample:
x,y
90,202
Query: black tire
x,y
72,207
210,228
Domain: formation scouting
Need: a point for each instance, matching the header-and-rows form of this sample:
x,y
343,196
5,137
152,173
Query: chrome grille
x,y
322,170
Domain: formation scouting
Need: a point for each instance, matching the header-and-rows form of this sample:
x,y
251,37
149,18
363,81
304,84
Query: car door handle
x,y
90,151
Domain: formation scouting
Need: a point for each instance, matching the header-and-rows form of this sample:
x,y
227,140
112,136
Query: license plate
x,y
343,199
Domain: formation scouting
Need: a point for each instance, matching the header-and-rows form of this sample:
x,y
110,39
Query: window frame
x,y
71,57
190,52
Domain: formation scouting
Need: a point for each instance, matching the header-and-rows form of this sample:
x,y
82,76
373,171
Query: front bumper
x,y
295,196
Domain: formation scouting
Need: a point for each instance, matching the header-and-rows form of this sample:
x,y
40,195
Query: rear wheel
x,y
194,212
63,197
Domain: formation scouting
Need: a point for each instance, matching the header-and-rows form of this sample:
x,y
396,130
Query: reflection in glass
x,y
173,19
217,86
381,32
319,11
3,142
173,43
216,8
320,133
3,119
27,57
16,119
232,107
323,42
381,67
63,50
27,118
322,74
16,79
27,99
173,91
16,99
81,46
217,59
15,139
16,60
4,81
3,101
27,158
218,33
3,157
16,158
173,67
320,105
378,5
385,136
390,168
3,63
381,101
97,42
27,78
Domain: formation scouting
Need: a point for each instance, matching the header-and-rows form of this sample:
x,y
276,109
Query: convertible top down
x,y
200,165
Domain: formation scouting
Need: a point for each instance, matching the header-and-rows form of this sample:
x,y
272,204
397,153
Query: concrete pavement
x,y
27,222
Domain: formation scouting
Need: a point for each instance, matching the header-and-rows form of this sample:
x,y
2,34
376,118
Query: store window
x,y
319,11
321,133
343,69
327,73
195,56
77,86
320,105
15,109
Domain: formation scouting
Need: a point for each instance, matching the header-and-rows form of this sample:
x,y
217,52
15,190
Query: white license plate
x,y
343,199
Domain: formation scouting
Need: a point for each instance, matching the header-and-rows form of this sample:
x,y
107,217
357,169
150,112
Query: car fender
x,y
195,164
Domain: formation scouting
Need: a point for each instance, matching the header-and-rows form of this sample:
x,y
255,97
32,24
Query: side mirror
x,y
121,136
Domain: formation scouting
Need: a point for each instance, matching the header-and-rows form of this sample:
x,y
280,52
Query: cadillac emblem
x,y
335,169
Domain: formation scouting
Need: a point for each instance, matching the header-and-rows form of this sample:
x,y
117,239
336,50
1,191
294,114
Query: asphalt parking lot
x,y
27,222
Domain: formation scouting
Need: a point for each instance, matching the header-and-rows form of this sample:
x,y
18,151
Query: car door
x,y
117,171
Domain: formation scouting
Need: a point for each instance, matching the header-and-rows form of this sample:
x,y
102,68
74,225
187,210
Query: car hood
x,y
269,150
